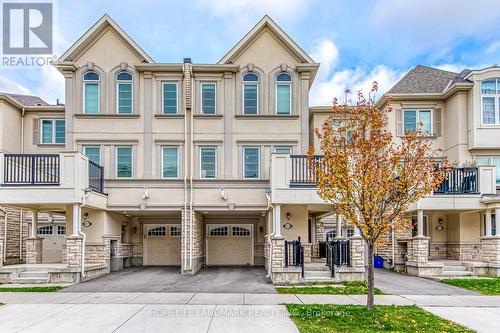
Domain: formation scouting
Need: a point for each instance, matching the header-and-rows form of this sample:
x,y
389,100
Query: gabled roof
x,y
426,80
89,37
27,100
266,22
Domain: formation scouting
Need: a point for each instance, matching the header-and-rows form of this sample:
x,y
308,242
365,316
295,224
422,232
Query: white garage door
x,y
229,244
162,244
54,236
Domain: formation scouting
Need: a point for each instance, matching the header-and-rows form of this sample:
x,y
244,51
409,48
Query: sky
x,y
356,42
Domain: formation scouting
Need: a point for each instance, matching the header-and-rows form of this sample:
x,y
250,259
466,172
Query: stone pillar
x,y
73,255
307,252
34,250
357,245
420,249
420,223
277,220
192,251
487,217
277,252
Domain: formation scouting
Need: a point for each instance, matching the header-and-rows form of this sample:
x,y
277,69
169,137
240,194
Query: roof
x,y
89,37
266,22
27,100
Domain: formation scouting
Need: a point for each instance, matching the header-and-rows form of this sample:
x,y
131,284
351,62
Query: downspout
x,y
393,249
23,112
21,218
184,234
4,250
84,236
191,149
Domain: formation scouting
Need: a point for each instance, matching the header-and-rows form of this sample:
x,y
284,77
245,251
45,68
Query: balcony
x,y
37,179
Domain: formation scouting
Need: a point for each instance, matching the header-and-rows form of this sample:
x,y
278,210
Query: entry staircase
x,y
456,270
317,271
30,275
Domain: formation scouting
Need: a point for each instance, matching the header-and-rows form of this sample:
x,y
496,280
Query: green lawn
x,y
356,318
484,286
344,288
29,289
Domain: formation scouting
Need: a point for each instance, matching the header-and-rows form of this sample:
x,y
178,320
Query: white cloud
x,y
9,86
493,47
331,83
51,85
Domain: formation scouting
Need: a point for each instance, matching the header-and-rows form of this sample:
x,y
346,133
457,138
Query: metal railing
x,y
31,169
460,181
96,177
338,253
294,254
303,174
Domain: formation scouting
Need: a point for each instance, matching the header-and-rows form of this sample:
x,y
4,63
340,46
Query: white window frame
x,y
93,146
150,228
176,97
132,162
215,97
216,161
276,83
98,82
131,82
61,227
281,147
245,226
258,159
170,226
53,124
243,93
215,226
490,162
178,162
418,120
496,97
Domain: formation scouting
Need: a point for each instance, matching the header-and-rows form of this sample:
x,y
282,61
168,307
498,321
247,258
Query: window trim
x,y
215,97
257,84
417,110
216,161
282,83
93,146
496,98
131,162
178,162
490,163
53,126
258,161
98,82
163,97
279,146
118,82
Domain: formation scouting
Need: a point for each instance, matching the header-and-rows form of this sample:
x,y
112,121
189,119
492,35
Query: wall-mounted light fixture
x,y
134,230
86,222
288,216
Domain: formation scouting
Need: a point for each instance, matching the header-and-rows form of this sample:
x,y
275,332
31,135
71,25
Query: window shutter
x,y
36,131
399,122
437,122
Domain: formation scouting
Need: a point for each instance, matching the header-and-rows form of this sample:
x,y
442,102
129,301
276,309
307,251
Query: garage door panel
x,y
234,247
161,247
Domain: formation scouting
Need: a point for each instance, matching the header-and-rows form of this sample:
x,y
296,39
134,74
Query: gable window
x,y
490,101
421,119
170,162
124,162
283,93
250,93
208,162
93,153
124,91
91,93
251,162
489,160
208,98
169,98
283,149
53,131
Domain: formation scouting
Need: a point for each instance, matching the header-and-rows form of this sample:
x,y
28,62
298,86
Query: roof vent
x,y
188,61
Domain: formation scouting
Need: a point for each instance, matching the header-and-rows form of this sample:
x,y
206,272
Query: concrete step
x,y
457,273
319,274
319,279
455,268
34,274
316,267
30,280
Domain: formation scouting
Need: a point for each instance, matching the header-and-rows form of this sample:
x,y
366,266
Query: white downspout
x,y
269,259
4,250
83,235
191,148
21,218
184,234
22,130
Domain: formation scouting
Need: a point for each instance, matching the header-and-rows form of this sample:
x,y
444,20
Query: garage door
x,y
162,244
54,236
230,244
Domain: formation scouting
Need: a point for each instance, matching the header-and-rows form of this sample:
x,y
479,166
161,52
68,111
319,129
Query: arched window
x,y
283,93
124,90
250,93
490,101
91,92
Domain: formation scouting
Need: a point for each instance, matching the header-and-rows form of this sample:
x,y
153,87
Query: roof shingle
x,y
28,100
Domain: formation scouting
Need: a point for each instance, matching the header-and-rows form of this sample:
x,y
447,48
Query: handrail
x,y
96,177
338,253
294,254
460,181
302,173
31,169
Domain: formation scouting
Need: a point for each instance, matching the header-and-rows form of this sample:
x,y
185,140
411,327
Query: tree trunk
x,y
371,278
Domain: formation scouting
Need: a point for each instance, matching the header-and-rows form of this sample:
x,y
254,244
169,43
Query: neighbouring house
x,y
202,165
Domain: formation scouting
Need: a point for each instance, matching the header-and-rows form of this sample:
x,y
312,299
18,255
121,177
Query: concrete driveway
x,y
168,279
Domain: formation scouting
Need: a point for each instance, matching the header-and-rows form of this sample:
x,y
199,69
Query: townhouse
x,y
199,165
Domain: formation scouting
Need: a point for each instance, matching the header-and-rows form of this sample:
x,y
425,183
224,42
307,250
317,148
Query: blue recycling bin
x,y
378,262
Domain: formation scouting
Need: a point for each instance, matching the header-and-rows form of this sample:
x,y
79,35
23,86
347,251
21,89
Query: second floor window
x,y
208,162
283,149
53,131
170,162
124,91
93,153
490,160
91,93
490,101
413,119
251,162
169,98
124,162
208,98
250,93
283,93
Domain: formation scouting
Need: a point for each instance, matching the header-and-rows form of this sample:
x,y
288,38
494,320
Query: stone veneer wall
x,y
34,250
198,250
73,251
15,254
258,253
463,251
400,248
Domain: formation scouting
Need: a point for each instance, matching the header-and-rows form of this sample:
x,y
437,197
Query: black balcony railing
x,y
460,181
294,254
96,177
31,169
303,174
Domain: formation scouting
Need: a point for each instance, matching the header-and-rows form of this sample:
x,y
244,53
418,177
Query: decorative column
x,y
339,226
357,247
34,243
277,220
490,244
487,217
420,243
74,243
497,221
